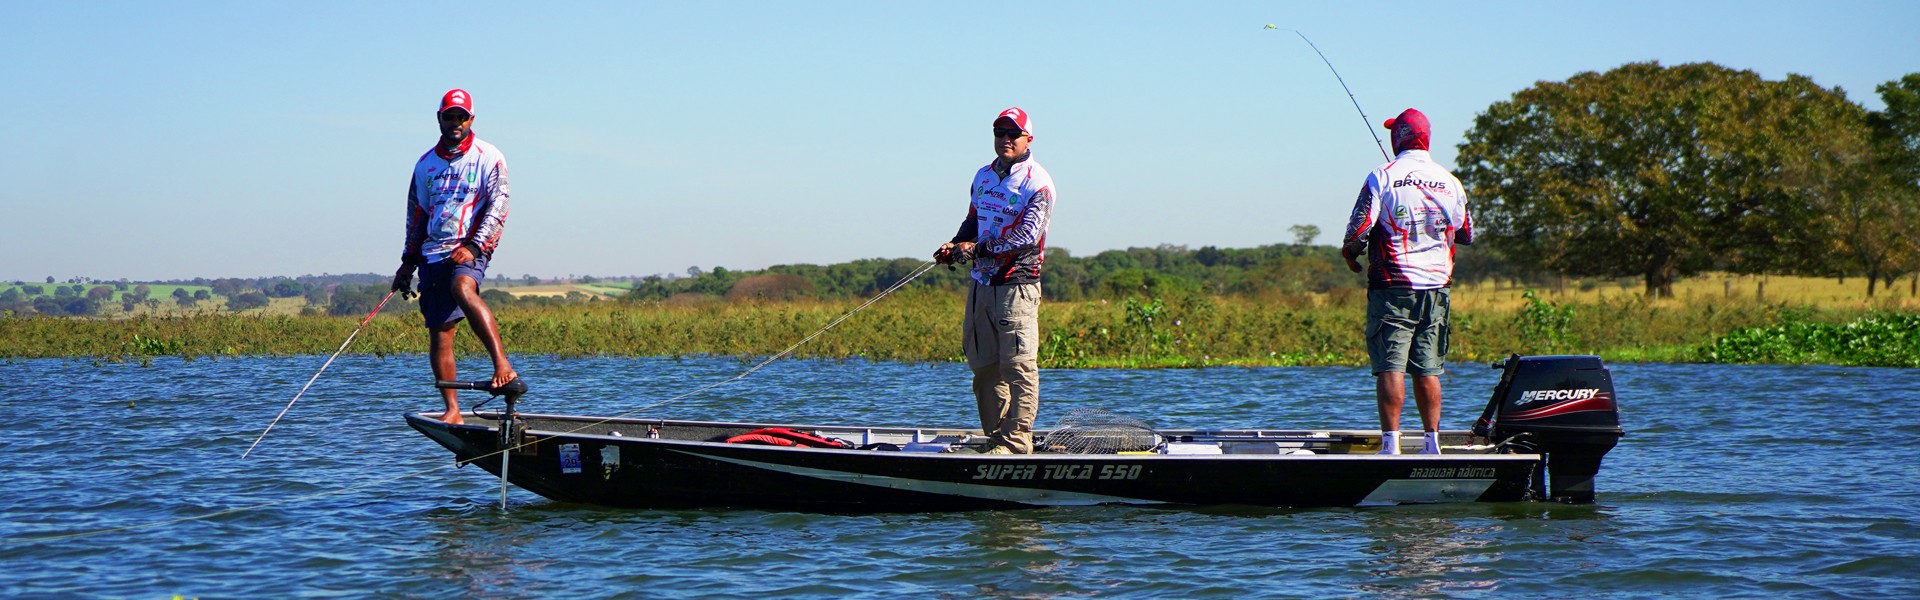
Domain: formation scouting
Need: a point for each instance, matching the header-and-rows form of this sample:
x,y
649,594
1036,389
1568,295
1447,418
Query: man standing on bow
x,y
456,209
1005,235
1410,213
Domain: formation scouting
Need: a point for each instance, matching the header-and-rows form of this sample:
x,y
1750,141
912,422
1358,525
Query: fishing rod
x,y
323,369
1364,120
922,270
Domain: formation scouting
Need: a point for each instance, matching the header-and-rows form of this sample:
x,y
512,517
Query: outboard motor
x,y
1562,407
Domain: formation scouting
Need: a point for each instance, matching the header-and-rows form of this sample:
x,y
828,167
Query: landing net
x,y
1094,431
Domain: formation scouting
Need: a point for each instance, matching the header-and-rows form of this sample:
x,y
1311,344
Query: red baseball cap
x,y
1412,131
456,98
1019,118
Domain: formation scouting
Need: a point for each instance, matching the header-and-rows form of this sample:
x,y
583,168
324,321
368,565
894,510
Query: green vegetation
x,y
920,324
1879,340
1661,172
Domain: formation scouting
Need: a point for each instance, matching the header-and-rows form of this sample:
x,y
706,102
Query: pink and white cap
x,y
1019,117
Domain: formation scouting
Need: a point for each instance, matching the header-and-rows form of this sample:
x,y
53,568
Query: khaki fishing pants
x,y
1002,344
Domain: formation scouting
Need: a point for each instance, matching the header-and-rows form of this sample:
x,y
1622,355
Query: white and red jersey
x,y
456,198
1410,213
1007,222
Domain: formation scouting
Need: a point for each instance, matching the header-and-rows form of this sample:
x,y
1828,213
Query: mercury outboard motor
x,y
1562,407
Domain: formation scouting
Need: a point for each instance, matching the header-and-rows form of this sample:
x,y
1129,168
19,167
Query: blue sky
x,y
154,140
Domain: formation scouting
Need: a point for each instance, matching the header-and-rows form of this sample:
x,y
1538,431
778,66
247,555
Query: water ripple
x,y
1733,480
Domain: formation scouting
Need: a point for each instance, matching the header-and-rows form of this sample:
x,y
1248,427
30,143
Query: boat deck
x,y
1108,440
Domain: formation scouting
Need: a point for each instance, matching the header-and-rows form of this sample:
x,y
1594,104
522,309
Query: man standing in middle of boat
x,y
1005,235
1410,213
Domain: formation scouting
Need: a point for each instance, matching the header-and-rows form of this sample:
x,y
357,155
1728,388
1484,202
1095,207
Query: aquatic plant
x,y
1875,340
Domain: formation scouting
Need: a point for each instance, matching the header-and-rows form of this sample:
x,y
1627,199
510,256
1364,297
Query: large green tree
x,y
1661,171
1884,247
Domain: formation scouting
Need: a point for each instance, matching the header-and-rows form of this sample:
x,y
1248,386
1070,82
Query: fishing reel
x,y
952,255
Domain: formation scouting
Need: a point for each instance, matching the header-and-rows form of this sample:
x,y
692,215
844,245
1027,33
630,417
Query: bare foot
x,y
503,374
452,417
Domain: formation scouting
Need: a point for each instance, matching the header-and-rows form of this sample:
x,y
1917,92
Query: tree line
x,y
1275,269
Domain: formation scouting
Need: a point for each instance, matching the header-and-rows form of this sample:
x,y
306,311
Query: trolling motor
x,y
1562,407
511,430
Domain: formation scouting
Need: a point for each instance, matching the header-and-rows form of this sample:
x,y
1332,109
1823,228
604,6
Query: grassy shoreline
x,y
922,325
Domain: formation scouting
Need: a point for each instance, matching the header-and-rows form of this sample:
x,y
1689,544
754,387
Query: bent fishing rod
x,y
1364,120
323,369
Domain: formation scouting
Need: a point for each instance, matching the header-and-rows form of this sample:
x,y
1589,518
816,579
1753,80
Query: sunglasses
x,y
1007,132
455,115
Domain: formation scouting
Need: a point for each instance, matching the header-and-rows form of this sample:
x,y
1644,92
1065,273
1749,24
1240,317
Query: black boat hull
x,y
635,471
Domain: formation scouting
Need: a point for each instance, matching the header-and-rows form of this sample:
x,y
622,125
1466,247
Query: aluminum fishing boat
x,y
1548,424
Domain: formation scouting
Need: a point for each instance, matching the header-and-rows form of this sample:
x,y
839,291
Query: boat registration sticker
x,y
569,458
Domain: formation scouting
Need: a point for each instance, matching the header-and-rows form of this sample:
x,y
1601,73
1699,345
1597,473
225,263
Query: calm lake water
x,y
1733,481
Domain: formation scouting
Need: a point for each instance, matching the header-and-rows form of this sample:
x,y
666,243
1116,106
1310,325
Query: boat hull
x,y
606,466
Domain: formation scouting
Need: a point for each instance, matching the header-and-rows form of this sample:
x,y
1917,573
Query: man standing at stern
x,y
1410,213
1005,235
456,209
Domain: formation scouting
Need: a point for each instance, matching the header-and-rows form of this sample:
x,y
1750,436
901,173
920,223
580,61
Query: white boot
x,y
1389,442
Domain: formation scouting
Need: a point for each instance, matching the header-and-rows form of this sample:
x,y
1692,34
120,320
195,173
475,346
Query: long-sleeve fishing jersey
x,y
457,197
1007,222
1410,213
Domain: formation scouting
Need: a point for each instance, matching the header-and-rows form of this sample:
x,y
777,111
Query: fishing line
x,y
924,268
783,353
1364,120
316,374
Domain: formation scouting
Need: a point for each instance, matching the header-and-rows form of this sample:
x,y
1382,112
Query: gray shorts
x,y
1407,331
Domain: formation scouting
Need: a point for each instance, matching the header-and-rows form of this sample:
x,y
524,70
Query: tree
x,y
353,300
49,279
496,298
1304,234
1881,243
776,287
202,295
179,293
228,287
100,293
286,288
247,300
1660,172
49,306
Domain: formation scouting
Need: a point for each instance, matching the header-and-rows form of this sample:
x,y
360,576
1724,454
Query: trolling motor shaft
x,y
510,428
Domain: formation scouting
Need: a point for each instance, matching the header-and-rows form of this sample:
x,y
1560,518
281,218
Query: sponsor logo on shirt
x,y
1439,186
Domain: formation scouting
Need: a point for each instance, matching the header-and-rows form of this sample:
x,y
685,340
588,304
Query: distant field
x,y
613,289
1705,289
